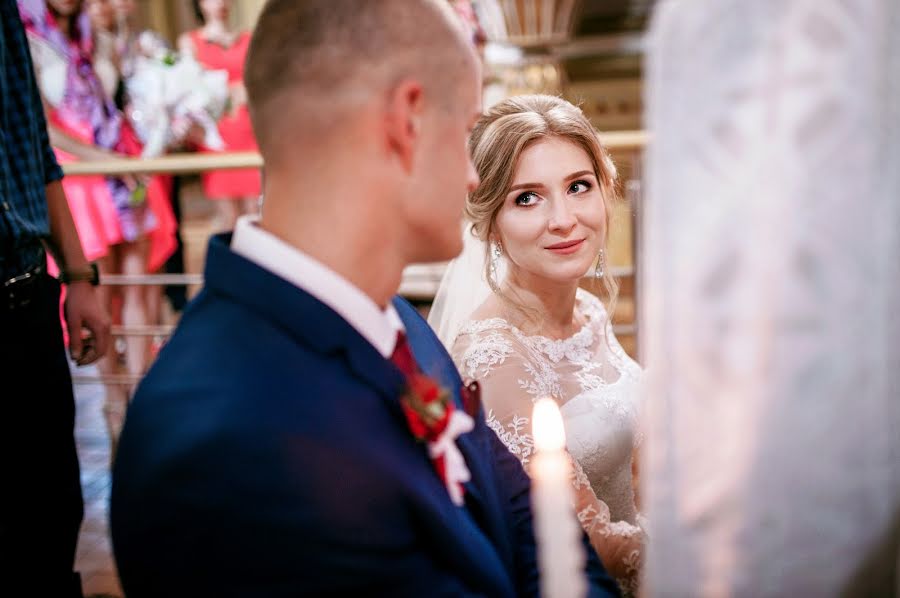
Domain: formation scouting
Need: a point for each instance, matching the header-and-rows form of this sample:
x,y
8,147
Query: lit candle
x,y
560,552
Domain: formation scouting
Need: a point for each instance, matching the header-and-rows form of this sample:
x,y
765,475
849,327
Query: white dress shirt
x,y
376,325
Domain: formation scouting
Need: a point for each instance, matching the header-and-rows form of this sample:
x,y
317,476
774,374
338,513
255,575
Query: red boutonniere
x,y
433,419
427,407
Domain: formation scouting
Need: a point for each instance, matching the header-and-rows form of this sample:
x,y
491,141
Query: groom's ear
x,y
403,123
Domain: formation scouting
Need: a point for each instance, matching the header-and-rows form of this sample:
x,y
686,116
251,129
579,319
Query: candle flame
x,y
547,426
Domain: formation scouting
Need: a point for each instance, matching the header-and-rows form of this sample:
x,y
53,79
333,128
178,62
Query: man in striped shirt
x,y
41,505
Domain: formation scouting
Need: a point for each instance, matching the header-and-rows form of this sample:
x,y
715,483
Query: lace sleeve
x,y
619,544
511,379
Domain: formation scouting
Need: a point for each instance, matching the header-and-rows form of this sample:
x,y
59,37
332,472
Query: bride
x,y
513,316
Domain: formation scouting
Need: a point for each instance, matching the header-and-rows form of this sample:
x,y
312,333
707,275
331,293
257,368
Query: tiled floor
x,y
94,560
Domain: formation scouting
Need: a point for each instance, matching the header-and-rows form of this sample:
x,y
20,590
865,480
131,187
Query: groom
x,y
275,448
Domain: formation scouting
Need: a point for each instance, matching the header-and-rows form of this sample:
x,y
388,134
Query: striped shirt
x,y
27,162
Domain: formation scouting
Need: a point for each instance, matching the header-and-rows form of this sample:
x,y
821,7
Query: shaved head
x,y
313,62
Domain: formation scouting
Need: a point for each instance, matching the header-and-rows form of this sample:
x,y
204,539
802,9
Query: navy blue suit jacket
x,y
265,454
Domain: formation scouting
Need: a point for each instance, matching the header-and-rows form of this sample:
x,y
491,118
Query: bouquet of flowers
x,y
171,95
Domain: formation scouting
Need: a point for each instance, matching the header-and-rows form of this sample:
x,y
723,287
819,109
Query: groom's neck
x,y
342,226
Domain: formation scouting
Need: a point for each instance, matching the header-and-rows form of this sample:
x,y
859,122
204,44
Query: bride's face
x,y
552,222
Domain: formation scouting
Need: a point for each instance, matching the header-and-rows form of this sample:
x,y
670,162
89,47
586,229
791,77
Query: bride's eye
x,y
529,198
579,187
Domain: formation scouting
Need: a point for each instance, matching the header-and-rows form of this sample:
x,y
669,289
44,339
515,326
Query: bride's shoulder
x,y
485,331
486,318
491,308
484,342
483,346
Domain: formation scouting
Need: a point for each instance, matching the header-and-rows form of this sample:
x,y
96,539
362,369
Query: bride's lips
x,y
566,247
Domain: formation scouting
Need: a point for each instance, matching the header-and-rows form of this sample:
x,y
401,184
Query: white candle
x,y
560,552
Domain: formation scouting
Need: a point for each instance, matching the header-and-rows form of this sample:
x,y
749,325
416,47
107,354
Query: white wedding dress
x,y
595,384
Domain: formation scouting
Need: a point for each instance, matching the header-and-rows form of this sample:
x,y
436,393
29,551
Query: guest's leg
x,y
177,294
227,212
250,205
133,262
153,300
40,505
153,297
116,394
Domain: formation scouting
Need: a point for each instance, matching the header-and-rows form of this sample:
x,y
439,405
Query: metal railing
x,y
186,163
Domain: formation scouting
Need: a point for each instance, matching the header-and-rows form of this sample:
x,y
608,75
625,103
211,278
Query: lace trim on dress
x,y
575,348
519,444
630,537
490,350
579,478
630,584
544,380
594,521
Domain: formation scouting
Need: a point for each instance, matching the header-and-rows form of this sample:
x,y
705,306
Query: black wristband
x,y
91,275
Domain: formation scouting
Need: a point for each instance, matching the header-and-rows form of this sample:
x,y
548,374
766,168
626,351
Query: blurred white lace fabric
x,y
771,315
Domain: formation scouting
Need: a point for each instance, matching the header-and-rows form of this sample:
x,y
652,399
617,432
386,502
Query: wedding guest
x,y
133,40
125,223
541,216
119,46
469,17
217,46
322,444
105,54
109,63
41,506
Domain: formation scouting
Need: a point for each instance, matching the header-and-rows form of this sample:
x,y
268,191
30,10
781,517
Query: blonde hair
x,y
497,143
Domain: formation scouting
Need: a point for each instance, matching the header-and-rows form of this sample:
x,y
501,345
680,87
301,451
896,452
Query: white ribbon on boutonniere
x,y
444,449
435,420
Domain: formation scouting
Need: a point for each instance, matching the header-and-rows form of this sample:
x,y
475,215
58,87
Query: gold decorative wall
x,y
170,18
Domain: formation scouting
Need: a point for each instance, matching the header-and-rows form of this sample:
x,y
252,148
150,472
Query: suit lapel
x,y
482,500
305,318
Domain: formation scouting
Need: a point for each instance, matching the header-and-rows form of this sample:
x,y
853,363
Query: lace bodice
x,y
595,383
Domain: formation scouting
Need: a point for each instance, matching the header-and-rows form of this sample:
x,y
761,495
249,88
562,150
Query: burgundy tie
x,y
402,357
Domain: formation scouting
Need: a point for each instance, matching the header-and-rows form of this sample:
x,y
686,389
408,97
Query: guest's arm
x,y
72,145
186,45
82,308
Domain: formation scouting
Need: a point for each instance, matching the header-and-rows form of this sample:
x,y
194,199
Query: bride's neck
x,y
544,306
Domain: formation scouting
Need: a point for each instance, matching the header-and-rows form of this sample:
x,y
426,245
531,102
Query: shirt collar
x,y
378,326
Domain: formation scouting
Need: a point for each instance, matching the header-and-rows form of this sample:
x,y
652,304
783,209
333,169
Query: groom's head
x,y
387,90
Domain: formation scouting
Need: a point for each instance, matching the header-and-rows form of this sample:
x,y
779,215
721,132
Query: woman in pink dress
x,y
125,223
217,47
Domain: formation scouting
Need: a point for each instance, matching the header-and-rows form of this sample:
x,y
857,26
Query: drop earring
x,y
496,254
601,264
